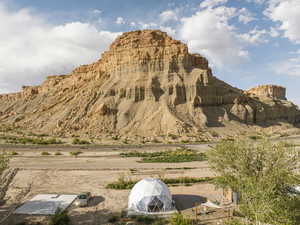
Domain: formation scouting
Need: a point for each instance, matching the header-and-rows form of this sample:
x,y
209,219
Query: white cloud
x,y
288,67
148,25
168,15
245,16
120,20
255,36
32,49
170,31
274,32
132,24
287,13
257,1
212,3
96,11
209,32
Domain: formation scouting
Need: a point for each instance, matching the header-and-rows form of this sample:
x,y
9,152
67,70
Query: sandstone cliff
x,y
147,84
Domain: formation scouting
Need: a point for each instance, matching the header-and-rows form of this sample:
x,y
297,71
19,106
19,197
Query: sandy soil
x,y
91,171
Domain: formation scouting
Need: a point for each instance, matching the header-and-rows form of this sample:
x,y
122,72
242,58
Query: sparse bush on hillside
x,y
77,141
255,137
76,153
35,141
173,136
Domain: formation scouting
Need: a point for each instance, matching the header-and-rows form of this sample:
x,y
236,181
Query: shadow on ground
x,y
96,200
184,202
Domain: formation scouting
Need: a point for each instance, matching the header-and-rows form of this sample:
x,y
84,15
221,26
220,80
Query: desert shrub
x,y
37,135
255,137
123,183
113,219
75,153
45,153
35,141
57,153
180,168
115,138
160,221
214,134
173,136
60,218
145,219
179,219
170,156
186,180
235,222
77,141
14,153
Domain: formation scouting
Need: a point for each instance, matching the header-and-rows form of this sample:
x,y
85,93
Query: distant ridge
x,y
146,84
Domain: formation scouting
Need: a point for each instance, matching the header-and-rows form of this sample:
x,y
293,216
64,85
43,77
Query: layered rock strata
x,y
147,84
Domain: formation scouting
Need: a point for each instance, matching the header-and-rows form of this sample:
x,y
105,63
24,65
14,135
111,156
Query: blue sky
x,y
248,42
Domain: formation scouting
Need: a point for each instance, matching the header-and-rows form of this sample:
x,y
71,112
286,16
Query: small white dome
x,y
150,195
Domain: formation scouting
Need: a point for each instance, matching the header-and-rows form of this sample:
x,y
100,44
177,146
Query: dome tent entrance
x,y
150,196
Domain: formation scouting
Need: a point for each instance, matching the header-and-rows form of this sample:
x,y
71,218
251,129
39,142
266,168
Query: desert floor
x,y
91,171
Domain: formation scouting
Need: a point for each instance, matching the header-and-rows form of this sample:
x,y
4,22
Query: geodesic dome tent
x,y
150,196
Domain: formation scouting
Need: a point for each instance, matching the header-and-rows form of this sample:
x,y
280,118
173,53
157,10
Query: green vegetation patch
x,y
27,140
60,218
76,153
123,184
170,156
179,219
45,153
77,141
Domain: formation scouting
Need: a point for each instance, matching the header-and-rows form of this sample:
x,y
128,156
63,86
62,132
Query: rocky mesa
x,y
146,84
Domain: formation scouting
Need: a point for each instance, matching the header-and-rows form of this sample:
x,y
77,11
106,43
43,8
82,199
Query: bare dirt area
x,y
91,171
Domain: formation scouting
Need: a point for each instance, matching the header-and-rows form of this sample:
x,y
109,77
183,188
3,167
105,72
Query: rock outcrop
x,y
269,91
147,84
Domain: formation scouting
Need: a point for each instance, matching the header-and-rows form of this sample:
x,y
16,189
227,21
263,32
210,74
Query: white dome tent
x,y
150,196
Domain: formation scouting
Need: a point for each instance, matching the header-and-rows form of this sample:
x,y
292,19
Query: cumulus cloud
x,y
120,20
255,36
288,67
256,1
171,31
168,15
32,49
287,13
97,11
274,32
245,16
212,3
209,32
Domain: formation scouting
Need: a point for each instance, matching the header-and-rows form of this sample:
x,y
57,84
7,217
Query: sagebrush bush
x,y
77,141
60,218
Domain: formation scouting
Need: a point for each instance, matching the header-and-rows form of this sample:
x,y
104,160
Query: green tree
x,y
263,174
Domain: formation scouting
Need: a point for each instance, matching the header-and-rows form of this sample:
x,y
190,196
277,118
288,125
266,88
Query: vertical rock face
x,y
269,91
148,84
